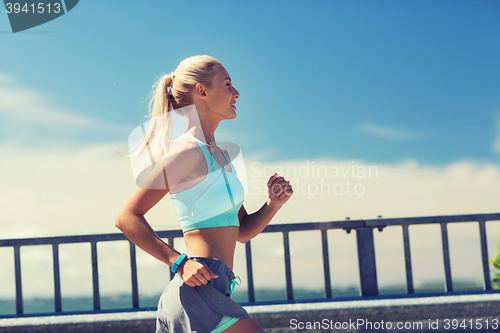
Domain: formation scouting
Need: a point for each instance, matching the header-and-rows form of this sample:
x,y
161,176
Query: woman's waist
x,y
202,221
218,243
217,265
226,258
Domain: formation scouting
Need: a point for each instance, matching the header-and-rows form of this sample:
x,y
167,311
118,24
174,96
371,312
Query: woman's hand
x,y
195,273
279,190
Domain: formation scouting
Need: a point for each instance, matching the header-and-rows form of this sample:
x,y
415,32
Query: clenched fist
x,y
279,190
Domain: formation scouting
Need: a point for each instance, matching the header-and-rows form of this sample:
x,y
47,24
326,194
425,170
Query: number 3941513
x,y
39,8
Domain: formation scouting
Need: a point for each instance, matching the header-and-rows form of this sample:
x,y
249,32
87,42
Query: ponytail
x,y
172,91
159,133
159,123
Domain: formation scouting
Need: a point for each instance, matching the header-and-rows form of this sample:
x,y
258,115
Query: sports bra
x,y
213,202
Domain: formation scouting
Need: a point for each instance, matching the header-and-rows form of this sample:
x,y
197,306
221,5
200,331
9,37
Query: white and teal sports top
x,y
213,202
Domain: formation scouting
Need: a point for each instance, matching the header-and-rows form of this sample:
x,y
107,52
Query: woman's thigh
x,y
244,325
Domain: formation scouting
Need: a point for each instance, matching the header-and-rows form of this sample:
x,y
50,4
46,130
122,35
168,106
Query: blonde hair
x,y
173,90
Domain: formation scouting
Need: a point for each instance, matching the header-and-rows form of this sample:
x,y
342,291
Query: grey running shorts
x,y
198,309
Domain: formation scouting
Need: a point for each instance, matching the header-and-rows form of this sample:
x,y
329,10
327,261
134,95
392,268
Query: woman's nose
x,y
236,94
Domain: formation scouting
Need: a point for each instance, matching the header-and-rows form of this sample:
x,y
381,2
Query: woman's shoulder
x,y
184,162
183,144
183,157
183,150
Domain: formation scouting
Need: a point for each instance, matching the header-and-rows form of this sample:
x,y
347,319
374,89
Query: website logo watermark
x,y
26,14
310,179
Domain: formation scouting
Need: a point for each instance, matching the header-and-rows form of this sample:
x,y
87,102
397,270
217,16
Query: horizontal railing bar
x,y
314,226
62,239
347,224
79,239
360,225
170,233
432,219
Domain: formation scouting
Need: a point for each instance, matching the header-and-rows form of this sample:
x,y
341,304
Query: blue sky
x,y
375,81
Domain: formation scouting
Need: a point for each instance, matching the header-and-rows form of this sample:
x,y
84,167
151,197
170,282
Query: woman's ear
x,y
200,90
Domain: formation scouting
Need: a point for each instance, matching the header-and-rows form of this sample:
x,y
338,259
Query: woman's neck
x,y
201,126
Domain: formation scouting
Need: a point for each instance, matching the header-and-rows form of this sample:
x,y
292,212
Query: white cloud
x,y
6,78
28,107
68,190
403,189
387,132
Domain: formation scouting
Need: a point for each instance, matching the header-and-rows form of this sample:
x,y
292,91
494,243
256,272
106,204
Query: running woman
x,y
207,196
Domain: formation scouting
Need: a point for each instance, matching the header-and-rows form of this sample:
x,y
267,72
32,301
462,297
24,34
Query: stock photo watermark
x,y
26,14
462,324
317,180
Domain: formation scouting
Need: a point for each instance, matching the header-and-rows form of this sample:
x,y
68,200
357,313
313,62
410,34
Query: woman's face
x,y
221,96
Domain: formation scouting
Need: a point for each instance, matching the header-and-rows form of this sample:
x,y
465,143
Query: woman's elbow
x,y
242,239
120,221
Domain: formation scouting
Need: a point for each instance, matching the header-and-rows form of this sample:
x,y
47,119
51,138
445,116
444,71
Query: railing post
x,y
170,242
409,273
251,291
95,276
446,256
326,263
19,287
288,268
484,255
366,260
133,271
57,278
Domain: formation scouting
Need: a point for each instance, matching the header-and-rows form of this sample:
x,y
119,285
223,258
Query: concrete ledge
x,y
277,318
425,310
141,321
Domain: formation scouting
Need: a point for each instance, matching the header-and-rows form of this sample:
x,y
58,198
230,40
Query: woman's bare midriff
x,y
219,242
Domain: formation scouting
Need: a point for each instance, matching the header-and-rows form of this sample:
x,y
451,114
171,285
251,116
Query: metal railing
x,y
365,248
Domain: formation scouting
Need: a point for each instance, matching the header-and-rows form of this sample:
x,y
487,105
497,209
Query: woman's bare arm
x,y
132,223
251,225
